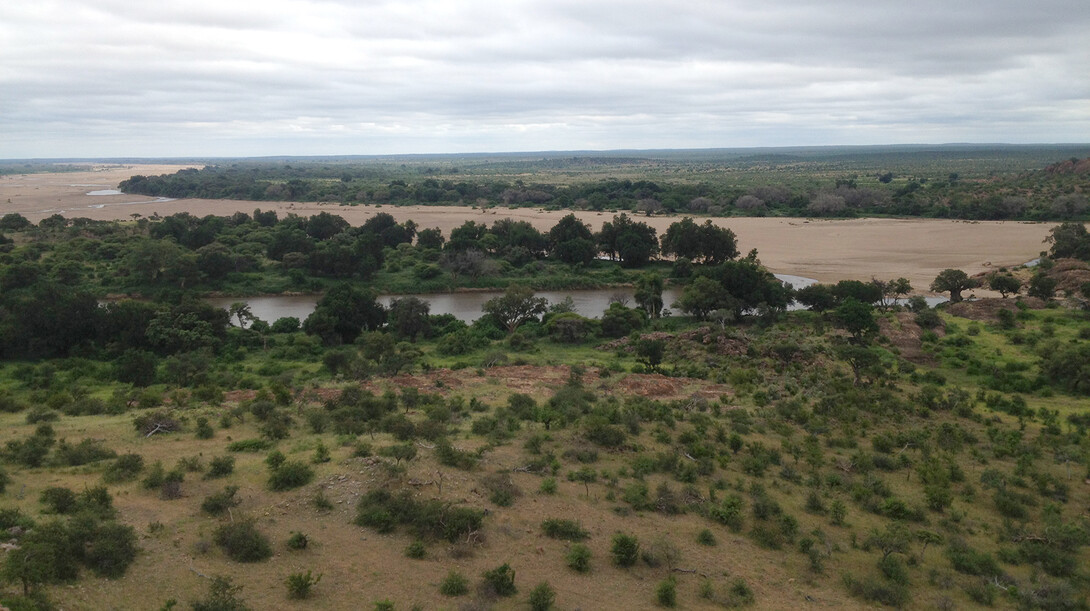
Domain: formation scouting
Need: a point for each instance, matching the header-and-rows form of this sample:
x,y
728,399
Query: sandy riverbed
x,y
828,250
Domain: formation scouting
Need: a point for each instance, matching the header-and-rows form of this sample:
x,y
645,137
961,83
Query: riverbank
x,y
826,250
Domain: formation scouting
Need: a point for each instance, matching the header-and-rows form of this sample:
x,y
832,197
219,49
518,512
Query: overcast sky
x,y
306,77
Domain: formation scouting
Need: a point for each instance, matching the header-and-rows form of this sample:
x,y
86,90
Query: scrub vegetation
x,y
720,452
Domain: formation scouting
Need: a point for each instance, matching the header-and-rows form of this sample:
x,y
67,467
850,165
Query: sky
x,y
117,78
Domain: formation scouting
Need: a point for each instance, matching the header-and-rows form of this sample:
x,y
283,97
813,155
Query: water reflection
x,y
467,306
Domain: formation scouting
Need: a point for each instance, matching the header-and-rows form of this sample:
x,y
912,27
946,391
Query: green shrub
x,y
427,519
501,489
222,596
454,584
578,558
220,466
124,468
249,445
58,499
416,550
706,537
218,503
567,530
111,550
301,584
625,550
500,581
666,592
542,597
298,541
290,475
243,542
967,560
548,486
204,430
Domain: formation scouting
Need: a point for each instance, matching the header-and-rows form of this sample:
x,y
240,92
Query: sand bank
x,y
828,250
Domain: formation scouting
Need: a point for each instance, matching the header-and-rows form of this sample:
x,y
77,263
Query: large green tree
x,y
952,281
516,306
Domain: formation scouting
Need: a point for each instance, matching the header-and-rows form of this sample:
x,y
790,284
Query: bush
x,y
416,550
300,584
222,596
501,490
567,530
578,558
500,581
204,430
542,597
220,466
124,468
666,592
111,550
625,550
429,519
243,542
706,537
249,445
454,584
218,503
969,561
290,475
298,541
58,499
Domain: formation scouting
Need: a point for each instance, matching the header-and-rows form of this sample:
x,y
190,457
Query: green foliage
x,y
666,593
126,467
454,584
220,466
298,541
243,542
578,558
542,597
500,581
301,584
567,530
427,519
625,550
220,502
222,596
249,445
290,475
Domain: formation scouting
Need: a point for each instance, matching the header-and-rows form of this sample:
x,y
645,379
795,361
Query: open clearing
x,y
828,250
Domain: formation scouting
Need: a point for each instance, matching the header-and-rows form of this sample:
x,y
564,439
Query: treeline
x,y
1042,195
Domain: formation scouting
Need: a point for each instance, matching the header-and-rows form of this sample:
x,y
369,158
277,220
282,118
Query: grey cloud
x,y
292,76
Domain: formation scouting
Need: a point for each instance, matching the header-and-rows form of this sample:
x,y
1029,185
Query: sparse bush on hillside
x,y
243,542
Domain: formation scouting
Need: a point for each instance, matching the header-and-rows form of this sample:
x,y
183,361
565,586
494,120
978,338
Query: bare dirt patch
x,y
988,309
905,335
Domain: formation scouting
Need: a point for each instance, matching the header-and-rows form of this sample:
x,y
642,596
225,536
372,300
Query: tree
x,y
343,313
1069,240
857,318
571,241
650,352
241,310
1005,284
817,297
1042,287
952,281
708,242
649,294
430,238
633,243
516,306
409,317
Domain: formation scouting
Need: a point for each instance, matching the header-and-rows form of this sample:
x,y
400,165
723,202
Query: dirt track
x,y
828,250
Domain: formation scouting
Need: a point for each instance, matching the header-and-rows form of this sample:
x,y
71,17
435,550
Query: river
x,y
465,306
